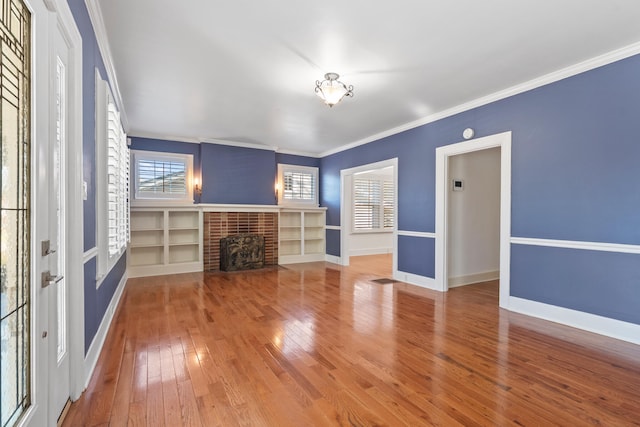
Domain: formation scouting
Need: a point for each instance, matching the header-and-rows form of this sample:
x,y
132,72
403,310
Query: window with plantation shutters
x,y
373,204
112,181
297,185
162,176
117,182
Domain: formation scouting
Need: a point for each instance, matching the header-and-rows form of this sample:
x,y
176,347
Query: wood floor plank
x,y
320,344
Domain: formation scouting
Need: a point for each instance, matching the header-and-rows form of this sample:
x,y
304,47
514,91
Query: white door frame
x,y
345,220
502,140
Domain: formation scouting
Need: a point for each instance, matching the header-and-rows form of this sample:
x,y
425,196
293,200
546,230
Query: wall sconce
x,y
276,188
197,189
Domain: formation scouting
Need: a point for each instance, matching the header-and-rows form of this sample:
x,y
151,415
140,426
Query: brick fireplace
x,y
223,224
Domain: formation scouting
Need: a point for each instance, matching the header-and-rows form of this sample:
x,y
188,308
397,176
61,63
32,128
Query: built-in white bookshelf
x,y
165,241
301,235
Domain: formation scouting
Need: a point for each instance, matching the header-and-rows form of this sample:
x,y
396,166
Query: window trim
x,y
284,168
142,200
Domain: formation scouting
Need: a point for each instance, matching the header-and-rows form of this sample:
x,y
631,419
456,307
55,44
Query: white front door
x,y
58,295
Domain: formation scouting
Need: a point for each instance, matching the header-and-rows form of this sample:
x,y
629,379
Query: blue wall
x,y
91,59
575,163
230,175
290,159
96,301
602,283
237,175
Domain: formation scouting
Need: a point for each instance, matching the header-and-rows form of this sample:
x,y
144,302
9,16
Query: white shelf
x,y
183,254
165,241
142,256
150,245
301,235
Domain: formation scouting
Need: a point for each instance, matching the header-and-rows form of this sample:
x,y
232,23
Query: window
x,y
112,178
297,185
373,204
117,183
162,176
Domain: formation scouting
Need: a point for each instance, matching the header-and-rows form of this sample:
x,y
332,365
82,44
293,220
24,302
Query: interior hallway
x,y
319,344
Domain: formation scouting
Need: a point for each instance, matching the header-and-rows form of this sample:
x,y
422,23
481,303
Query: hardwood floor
x,y
318,344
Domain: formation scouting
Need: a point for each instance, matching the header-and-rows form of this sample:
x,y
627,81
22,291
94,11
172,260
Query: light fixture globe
x,y
331,90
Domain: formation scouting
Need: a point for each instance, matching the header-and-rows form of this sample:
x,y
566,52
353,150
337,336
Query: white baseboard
x,y
414,279
370,251
333,259
91,359
589,322
473,278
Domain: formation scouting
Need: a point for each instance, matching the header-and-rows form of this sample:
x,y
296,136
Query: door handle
x,y
48,279
46,248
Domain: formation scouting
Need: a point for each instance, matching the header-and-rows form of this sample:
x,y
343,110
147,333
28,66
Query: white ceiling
x,y
244,70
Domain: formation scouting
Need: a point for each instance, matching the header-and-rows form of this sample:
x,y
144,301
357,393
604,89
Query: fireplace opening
x,y
241,252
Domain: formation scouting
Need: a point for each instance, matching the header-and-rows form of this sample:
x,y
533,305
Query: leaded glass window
x,y
15,159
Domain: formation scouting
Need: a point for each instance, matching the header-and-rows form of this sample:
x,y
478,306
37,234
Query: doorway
x,y
443,184
473,217
368,215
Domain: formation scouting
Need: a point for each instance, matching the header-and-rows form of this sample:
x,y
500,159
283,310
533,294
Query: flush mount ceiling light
x,y
332,90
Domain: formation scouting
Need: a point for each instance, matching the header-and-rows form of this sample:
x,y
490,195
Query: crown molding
x,y
149,135
581,67
95,15
297,153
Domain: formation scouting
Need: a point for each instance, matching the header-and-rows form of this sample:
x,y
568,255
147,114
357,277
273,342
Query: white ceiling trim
x,y
148,135
95,14
555,76
297,153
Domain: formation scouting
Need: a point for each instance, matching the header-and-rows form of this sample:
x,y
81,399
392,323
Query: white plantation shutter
x,y
373,204
388,204
117,182
164,176
299,184
112,181
158,178
366,199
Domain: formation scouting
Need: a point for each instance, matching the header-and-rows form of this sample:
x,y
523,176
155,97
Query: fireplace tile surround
x,y
222,224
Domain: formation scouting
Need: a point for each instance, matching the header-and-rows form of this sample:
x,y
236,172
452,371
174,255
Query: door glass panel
x,y
59,195
15,139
